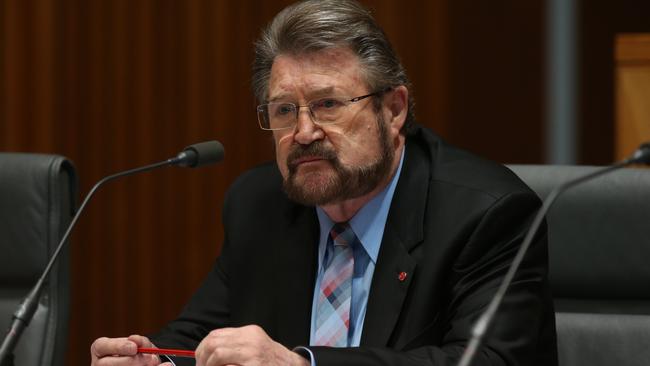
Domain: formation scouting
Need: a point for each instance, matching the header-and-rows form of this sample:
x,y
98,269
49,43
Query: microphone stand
x,y
191,156
482,325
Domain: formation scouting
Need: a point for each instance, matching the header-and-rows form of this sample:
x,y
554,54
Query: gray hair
x,y
314,25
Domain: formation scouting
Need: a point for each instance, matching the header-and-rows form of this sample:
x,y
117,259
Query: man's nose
x,y
306,130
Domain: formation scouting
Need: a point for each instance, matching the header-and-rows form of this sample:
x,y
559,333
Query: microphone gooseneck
x,y
482,325
196,155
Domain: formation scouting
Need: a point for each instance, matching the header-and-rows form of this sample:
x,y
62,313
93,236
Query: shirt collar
x,y
368,224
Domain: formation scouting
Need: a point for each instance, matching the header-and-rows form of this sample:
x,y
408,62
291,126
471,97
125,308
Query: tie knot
x,y
342,234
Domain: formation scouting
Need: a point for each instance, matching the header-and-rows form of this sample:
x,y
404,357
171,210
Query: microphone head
x,y
199,154
642,154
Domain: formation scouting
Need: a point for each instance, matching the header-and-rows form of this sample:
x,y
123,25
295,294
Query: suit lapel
x,y
395,268
296,274
390,283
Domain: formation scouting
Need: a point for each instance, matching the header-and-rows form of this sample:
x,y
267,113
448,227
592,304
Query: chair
x,y
599,254
37,200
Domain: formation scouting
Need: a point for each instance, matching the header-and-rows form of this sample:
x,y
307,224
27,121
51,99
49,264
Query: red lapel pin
x,y
402,276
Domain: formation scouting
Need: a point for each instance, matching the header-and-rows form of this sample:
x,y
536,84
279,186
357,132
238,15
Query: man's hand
x,y
245,346
123,352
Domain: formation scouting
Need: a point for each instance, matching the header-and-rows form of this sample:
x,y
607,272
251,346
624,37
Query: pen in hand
x,y
167,352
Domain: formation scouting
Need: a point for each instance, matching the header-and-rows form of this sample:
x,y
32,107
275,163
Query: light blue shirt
x,y
368,225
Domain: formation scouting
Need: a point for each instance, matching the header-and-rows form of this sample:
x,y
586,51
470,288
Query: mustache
x,y
315,149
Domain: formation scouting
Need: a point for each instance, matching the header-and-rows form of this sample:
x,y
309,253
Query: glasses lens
x,y
263,117
274,116
327,110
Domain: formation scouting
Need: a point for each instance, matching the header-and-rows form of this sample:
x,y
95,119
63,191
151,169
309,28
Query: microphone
x,y
196,155
482,325
199,154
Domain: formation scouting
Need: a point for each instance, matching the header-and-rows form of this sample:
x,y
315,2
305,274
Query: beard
x,y
316,188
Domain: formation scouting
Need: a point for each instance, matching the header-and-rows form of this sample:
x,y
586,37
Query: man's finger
x,y
139,360
211,351
113,347
140,341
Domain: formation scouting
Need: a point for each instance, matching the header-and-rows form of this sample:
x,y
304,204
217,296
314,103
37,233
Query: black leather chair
x,y
37,201
599,251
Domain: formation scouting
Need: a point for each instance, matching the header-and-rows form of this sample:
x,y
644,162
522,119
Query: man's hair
x,y
315,25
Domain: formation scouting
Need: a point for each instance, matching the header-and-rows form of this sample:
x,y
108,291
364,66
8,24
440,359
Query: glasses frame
x,y
260,110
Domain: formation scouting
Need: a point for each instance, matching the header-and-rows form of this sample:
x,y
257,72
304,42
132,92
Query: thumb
x,y
140,341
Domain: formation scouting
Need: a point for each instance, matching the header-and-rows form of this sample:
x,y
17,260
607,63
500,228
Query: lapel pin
x,y
402,276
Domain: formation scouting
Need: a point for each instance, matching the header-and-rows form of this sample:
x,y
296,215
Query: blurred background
x,y
116,84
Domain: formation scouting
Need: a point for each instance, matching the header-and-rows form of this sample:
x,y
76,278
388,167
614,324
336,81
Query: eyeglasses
x,y
323,111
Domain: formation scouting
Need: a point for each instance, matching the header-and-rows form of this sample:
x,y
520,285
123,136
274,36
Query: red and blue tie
x,y
335,295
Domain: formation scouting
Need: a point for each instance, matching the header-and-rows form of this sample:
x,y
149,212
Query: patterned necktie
x,y
335,295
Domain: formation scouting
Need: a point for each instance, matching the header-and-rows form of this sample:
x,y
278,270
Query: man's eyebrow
x,y
328,90
277,97
322,91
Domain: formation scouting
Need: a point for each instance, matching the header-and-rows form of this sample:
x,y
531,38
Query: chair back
x,y
599,258
37,201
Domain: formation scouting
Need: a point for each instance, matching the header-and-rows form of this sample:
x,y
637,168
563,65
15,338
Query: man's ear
x,y
396,100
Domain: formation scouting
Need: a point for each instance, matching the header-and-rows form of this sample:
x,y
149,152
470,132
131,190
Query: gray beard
x,y
346,183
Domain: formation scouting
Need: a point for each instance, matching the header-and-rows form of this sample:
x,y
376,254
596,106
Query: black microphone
x,y
196,155
482,325
199,154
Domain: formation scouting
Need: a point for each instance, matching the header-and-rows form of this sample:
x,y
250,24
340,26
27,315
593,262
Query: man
x,y
372,242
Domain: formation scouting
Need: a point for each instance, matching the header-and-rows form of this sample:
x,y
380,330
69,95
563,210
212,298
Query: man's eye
x,y
284,109
327,104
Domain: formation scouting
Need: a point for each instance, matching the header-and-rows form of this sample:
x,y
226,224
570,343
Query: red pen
x,y
167,352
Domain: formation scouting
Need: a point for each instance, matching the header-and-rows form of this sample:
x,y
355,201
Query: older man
x,y
370,241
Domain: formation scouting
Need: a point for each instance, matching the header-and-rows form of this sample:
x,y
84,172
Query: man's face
x,y
326,164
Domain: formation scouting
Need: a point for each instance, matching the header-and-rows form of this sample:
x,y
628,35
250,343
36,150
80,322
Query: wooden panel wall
x,y
115,84
632,92
496,71
599,23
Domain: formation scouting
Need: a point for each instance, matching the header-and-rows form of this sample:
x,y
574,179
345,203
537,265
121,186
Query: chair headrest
x,y
599,232
32,190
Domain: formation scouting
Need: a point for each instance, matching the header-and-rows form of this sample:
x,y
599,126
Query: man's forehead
x,y
324,56
320,72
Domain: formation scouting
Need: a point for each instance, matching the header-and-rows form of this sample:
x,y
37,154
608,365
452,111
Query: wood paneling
x,y
632,92
599,23
495,73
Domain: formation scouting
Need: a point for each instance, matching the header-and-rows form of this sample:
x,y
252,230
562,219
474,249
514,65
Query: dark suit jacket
x,y
454,225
